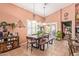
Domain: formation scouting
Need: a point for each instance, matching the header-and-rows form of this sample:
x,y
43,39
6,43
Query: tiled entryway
x,y
58,48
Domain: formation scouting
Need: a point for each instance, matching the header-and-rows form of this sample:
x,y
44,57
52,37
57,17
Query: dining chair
x,y
76,42
72,44
51,38
44,41
76,45
71,48
30,42
74,51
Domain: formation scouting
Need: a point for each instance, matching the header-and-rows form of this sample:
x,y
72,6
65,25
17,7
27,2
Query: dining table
x,y
37,39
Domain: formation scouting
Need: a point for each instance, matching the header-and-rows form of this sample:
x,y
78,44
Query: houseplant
x,y
58,35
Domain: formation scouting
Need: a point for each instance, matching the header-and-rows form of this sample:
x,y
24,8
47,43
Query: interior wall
x,y
12,14
71,17
55,18
77,14
59,17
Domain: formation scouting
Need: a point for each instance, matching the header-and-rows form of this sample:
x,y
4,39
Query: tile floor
x,y
58,48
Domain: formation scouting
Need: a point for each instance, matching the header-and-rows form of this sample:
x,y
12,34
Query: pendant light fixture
x,y
33,11
44,10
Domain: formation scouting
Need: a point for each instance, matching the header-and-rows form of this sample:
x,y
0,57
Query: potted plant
x,y
59,35
39,33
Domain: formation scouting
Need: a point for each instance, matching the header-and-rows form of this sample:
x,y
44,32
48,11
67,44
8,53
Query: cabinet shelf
x,y
9,45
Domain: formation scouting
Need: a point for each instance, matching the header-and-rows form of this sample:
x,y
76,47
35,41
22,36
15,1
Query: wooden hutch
x,y
9,41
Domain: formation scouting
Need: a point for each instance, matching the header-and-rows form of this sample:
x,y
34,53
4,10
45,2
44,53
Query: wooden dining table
x,y
37,38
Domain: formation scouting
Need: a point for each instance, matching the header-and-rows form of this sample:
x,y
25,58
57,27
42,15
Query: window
x,y
32,27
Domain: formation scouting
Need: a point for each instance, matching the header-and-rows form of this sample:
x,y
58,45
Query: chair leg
x,y
27,45
31,48
71,53
47,44
43,47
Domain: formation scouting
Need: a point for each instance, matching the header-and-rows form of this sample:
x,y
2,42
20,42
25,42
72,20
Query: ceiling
x,y
50,7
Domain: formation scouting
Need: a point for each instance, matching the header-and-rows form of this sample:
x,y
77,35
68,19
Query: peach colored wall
x,y
59,17
71,16
12,13
55,18
77,14
71,12
77,8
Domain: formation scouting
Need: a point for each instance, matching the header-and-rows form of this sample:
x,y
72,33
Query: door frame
x,y
62,26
